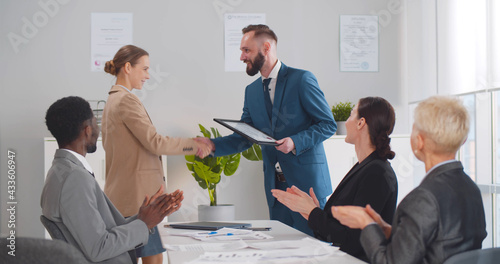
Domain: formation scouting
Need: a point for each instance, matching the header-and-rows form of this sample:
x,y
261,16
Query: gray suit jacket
x,y
74,201
442,217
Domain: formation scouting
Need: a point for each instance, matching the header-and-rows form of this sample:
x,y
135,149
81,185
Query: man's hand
x,y
175,202
205,146
153,210
285,145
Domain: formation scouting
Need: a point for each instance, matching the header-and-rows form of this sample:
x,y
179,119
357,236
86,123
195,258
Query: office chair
x,y
56,233
478,256
39,251
52,228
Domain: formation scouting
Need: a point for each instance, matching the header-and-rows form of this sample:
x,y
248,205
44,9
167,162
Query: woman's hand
x,y
296,200
386,228
354,217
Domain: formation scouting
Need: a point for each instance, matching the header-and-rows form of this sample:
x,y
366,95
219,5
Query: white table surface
x,y
279,231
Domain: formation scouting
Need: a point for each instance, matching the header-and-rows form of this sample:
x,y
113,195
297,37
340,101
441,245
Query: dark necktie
x,y
267,97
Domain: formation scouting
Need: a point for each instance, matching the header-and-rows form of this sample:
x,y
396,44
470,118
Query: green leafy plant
x,y
207,171
341,111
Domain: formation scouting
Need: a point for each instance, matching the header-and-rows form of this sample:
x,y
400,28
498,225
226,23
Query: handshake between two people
x,y
160,205
206,146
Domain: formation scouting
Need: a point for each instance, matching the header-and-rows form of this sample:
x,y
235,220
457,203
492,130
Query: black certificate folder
x,y
209,225
248,131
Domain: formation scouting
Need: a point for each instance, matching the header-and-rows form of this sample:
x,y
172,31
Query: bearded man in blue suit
x,y
290,107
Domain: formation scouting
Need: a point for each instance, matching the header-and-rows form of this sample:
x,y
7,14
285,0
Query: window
x,y
457,52
467,153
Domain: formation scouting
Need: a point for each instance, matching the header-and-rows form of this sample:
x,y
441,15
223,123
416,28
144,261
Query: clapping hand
x,y
297,200
386,228
175,199
152,211
354,217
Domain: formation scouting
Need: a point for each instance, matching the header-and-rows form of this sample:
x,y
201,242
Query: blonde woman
x,y
444,215
133,146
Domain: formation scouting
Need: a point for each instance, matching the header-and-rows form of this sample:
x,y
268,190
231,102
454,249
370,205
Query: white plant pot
x,y
221,212
341,130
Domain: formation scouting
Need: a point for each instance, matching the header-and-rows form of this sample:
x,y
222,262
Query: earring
x,y
415,152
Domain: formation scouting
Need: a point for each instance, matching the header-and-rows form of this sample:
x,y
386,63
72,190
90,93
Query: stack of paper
x,y
209,246
225,234
272,252
303,255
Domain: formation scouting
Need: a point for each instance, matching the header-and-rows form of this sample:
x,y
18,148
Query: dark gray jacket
x,y
443,216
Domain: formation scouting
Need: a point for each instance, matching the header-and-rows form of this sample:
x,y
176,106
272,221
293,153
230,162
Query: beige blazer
x,y
133,149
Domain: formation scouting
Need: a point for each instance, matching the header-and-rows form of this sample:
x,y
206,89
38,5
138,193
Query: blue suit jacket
x,y
301,112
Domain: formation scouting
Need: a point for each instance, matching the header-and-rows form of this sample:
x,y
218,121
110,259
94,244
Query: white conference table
x,y
279,231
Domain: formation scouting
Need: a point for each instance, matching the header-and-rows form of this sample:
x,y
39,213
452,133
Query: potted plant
x,y
341,112
207,172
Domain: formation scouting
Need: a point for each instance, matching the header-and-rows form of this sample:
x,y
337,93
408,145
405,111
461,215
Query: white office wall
x,y
185,40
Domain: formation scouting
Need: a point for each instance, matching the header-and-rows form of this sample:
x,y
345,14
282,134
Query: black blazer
x,y
373,182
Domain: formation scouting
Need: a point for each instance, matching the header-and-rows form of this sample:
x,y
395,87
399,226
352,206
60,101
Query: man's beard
x,y
256,64
91,148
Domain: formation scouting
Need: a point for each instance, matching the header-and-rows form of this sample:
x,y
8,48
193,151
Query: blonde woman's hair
x,y
445,121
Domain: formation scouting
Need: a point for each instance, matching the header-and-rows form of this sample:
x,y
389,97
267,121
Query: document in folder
x,y
251,133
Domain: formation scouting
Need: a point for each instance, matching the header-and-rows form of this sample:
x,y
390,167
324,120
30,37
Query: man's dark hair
x,y
66,118
260,30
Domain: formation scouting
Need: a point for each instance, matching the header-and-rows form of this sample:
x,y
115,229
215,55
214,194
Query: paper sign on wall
x,y
108,33
359,43
233,24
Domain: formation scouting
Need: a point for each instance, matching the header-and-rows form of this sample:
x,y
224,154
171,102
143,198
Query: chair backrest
x,y
478,256
56,233
39,251
52,228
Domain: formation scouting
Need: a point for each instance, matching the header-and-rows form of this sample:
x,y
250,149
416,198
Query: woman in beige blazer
x,y
133,146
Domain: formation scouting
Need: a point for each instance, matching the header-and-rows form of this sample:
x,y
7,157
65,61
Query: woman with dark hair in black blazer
x,y
444,215
370,181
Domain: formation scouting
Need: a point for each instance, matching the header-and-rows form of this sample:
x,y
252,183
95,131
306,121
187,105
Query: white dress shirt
x,y
274,76
272,90
82,160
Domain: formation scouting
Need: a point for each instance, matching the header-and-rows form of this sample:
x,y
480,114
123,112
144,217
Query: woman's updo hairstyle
x,y
380,118
128,53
